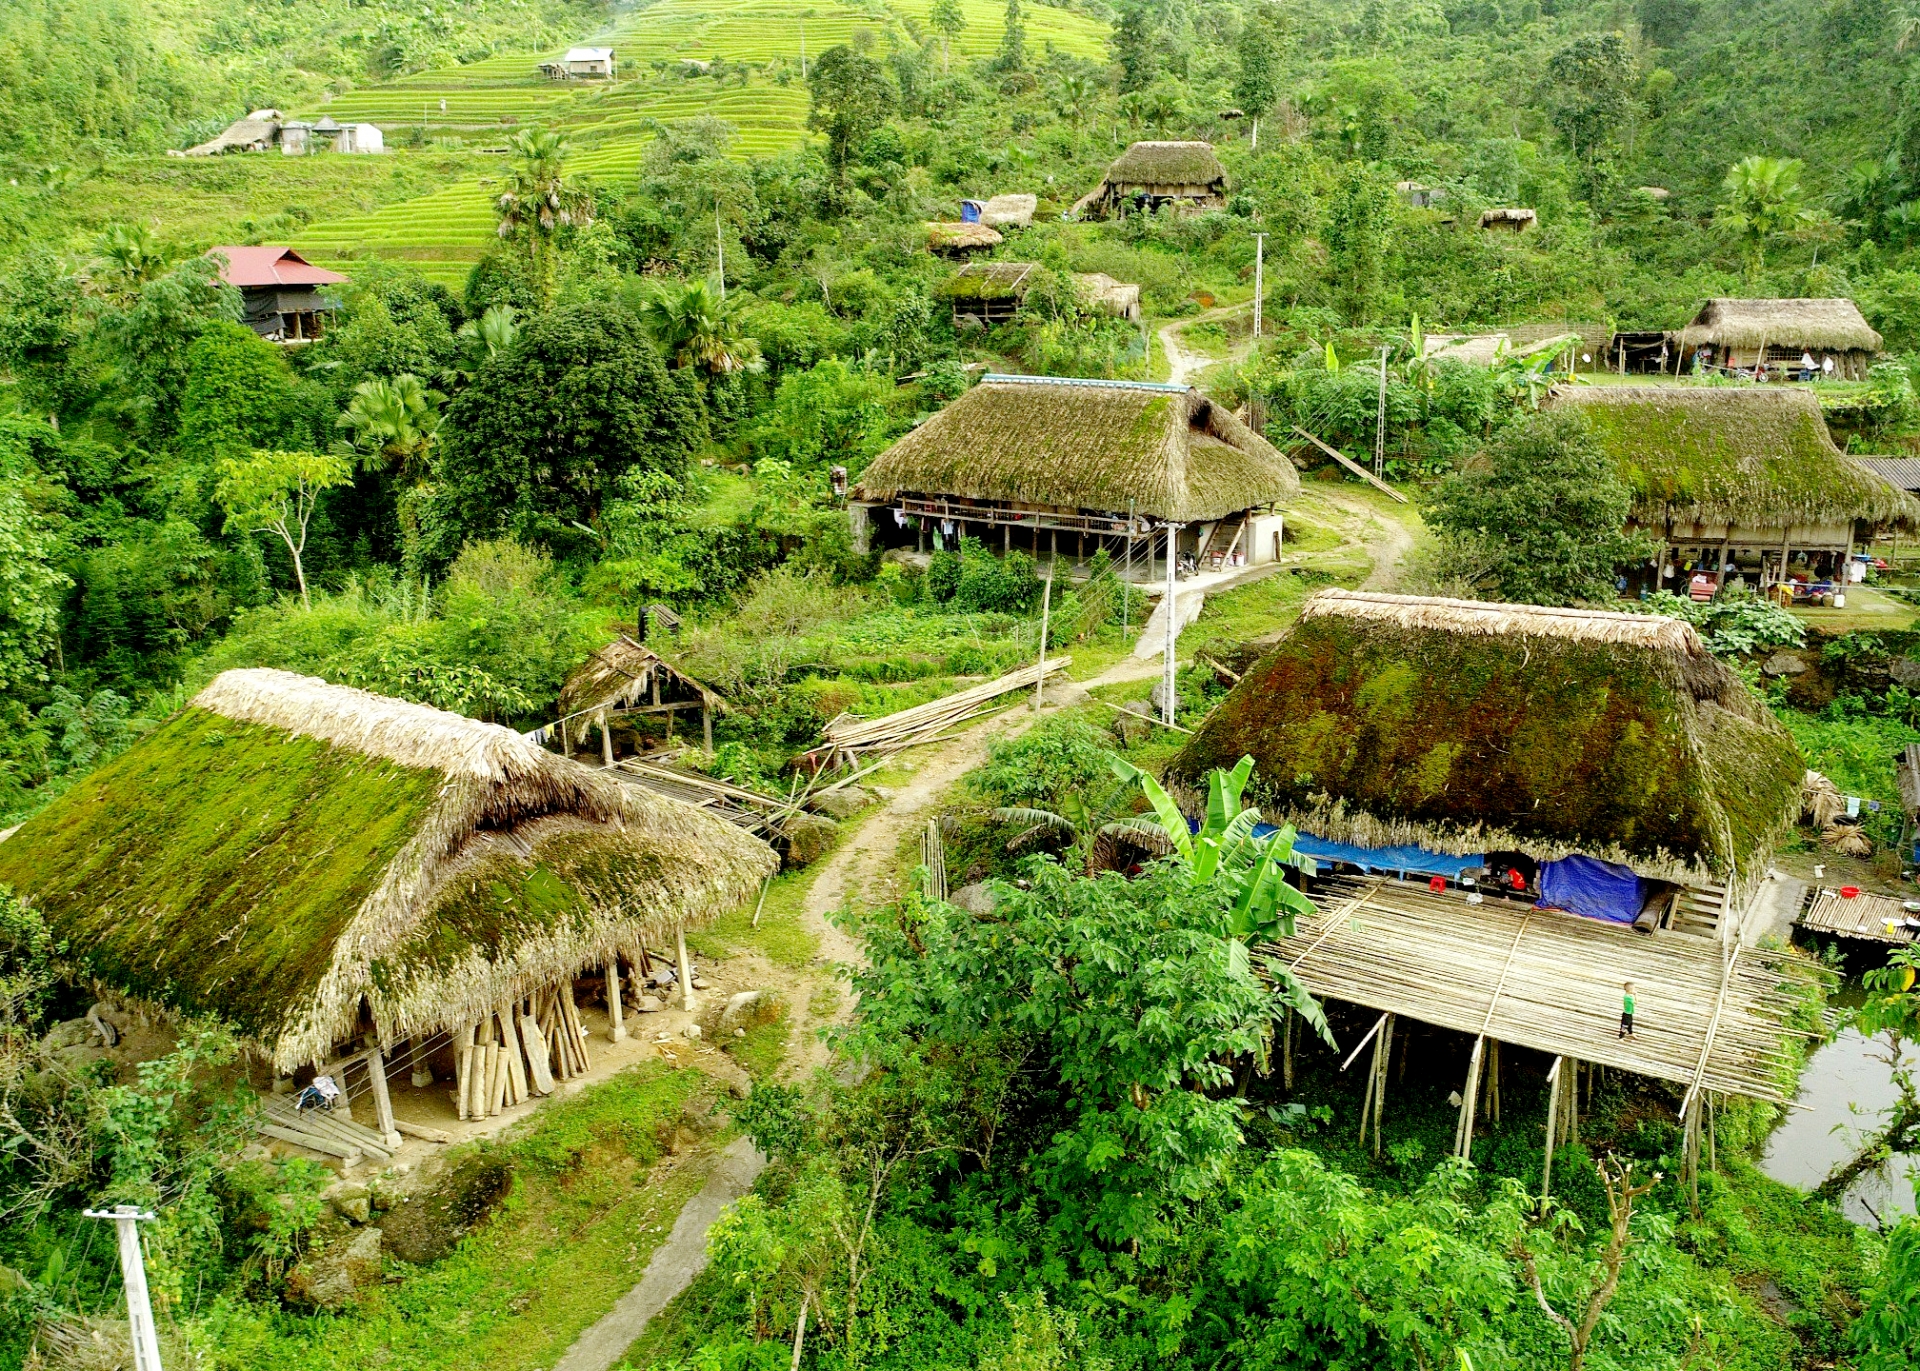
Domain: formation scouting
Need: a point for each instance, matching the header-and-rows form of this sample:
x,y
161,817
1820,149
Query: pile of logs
x,y
848,737
331,1133
518,1052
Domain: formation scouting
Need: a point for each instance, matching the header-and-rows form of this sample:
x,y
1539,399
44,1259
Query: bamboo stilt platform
x,y
1873,918
1551,982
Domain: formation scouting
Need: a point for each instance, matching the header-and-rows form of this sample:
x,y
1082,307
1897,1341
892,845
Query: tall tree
x,y
850,99
947,20
275,492
696,328
1262,49
1358,227
538,443
1590,85
1133,47
30,586
1013,40
540,200
1544,513
1764,200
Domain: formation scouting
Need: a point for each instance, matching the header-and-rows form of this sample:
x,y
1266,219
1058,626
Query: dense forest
x,y
640,391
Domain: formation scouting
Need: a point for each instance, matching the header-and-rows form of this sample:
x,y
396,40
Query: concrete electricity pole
x,y
133,1274
1173,629
1259,280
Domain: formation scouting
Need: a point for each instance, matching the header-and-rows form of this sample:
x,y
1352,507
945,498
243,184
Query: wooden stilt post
x,y
382,1102
1553,1126
516,1064
419,1073
606,740
616,1012
1573,1102
1286,1052
1384,1054
688,1000
1691,1151
706,727
1463,1138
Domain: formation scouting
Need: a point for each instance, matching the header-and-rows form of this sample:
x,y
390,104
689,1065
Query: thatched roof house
x,y
1467,727
1119,298
1741,334
1148,175
309,862
989,292
1081,456
1750,464
628,677
1509,219
957,240
1013,210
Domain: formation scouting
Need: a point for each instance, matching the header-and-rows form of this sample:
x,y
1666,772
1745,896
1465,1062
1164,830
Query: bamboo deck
x,y
1551,982
1864,916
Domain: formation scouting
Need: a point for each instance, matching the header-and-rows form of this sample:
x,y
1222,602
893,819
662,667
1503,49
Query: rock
x,y
843,803
1130,730
742,1010
691,1032
334,1276
683,1142
425,1227
739,1032
977,898
352,1202
740,1087
1787,664
807,837
1159,697
1905,672
699,983
648,1004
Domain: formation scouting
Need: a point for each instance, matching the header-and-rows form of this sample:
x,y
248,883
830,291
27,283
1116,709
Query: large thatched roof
x,y
1822,325
282,850
1166,164
1166,452
1756,456
1473,727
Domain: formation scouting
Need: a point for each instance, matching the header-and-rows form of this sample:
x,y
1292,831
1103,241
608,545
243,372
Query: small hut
x,y
1109,296
1149,175
589,63
1002,211
1588,798
1509,219
315,865
1022,459
629,678
1739,481
257,132
282,295
988,293
961,240
1743,335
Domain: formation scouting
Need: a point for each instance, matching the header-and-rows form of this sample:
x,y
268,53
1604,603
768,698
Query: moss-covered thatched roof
x,y
1166,452
1472,727
1166,164
1822,325
282,850
989,281
1756,456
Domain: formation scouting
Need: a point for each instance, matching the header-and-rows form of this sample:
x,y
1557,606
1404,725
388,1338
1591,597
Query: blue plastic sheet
x,y
1401,861
1592,888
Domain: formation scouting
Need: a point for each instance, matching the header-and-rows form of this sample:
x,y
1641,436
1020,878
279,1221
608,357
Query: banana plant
x,y
1223,851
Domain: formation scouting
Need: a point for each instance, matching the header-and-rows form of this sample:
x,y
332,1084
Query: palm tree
x,y
696,328
1764,200
483,339
126,258
393,425
1078,95
539,200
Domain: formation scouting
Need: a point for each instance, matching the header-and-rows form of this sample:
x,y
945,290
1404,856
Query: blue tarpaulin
x,y
1401,861
1593,888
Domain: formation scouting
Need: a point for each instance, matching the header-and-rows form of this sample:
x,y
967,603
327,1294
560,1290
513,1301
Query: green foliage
x,y
1887,1334
27,953
1543,514
276,492
238,395
1063,756
850,99
1732,624
30,582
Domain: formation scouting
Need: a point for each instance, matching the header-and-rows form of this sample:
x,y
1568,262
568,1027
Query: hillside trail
x,y
1183,363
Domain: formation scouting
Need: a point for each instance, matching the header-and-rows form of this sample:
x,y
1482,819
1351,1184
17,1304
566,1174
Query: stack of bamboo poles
x,y
933,859
324,1131
848,737
518,1052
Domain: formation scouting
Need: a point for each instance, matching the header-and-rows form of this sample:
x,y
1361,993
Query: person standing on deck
x,y
1626,1010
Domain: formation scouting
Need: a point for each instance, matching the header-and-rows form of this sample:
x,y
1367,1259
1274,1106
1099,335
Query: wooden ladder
x,y
1699,910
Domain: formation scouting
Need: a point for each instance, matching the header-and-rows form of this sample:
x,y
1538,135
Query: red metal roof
x,y
265,266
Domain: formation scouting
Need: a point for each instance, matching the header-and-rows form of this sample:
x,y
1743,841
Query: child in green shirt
x,y
1626,1010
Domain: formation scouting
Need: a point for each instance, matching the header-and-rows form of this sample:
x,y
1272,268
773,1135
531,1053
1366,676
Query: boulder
x,y
1784,664
1159,695
843,803
742,1011
424,1227
352,1202
807,838
1130,730
1904,672
975,899
333,1276
648,1004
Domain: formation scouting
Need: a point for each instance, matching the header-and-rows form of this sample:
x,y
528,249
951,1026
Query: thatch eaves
x,y
1753,456
962,237
1165,452
622,674
989,281
1471,727
1820,325
283,852
1166,164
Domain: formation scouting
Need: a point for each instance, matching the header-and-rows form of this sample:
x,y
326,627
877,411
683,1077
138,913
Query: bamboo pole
x,y
1553,1124
616,1012
516,1067
1463,1134
462,1071
688,999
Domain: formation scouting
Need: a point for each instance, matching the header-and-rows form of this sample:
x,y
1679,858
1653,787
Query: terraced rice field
x,y
483,102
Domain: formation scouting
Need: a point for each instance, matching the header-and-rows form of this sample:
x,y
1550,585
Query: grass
x,y
574,1235
763,1050
782,936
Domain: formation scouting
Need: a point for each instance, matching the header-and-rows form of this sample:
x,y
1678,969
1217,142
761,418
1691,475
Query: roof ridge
x,y
1013,378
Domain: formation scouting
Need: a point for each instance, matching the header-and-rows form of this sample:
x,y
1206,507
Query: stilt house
x,y
1526,808
1739,335
332,871
1126,465
283,296
1739,482
1149,175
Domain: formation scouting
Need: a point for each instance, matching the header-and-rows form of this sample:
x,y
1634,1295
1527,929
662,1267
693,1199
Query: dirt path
x,y
674,1265
1183,363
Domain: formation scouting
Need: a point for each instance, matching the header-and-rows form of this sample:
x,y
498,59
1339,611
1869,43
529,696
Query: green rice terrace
x,y
445,232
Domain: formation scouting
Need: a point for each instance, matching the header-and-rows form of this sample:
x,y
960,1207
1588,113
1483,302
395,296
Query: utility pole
x,y
1380,421
803,47
1167,670
133,1274
1259,280
720,248
1046,614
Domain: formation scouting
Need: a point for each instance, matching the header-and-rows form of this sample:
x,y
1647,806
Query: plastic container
x,y
1849,892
